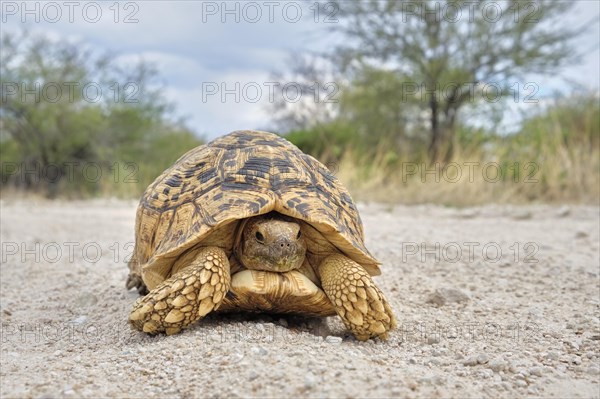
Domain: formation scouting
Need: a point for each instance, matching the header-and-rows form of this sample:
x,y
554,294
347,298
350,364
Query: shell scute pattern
x,y
240,175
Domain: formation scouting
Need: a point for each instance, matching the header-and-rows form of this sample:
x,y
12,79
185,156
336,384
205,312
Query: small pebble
x,y
433,361
86,299
521,383
257,350
470,361
497,365
443,296
483,358
333,340
310,380
79,320
485,373
433,339
537,371
513,368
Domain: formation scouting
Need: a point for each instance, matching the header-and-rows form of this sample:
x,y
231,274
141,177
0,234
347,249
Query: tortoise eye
x,y
260,237
299,234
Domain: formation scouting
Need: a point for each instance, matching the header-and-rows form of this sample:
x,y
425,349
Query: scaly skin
x,y
357,300
185,297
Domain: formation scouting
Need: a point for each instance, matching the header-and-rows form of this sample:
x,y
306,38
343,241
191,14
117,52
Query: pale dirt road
x,y
526,325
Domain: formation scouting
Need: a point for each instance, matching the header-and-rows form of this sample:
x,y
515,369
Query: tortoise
x,y
248,222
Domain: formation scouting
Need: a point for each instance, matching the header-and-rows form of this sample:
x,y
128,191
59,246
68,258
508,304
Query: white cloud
x,y
219,113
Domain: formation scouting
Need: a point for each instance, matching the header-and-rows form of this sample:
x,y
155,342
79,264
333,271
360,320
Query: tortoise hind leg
x,y
188,295
357,300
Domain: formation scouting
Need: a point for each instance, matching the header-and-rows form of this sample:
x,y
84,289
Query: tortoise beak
x,y
287,264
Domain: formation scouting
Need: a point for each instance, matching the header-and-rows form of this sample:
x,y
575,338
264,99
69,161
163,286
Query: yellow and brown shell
x,y
240,175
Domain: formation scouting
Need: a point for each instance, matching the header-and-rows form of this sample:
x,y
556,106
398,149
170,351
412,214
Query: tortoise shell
x,y
213,187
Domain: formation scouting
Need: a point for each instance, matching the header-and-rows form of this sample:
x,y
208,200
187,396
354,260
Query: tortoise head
x,y
271,242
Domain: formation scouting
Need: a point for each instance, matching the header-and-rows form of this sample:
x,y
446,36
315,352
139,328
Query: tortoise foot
x,y
185,297
357,300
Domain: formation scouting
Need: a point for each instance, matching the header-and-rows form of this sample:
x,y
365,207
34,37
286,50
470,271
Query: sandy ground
x,y
491,302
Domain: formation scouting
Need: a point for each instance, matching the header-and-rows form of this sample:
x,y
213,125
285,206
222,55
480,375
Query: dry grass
x,y
556,175
554,159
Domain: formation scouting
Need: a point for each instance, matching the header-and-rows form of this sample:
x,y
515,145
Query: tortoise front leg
x,y
190,294
357,300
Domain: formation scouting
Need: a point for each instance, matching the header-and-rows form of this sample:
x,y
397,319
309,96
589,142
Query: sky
x,y
217,58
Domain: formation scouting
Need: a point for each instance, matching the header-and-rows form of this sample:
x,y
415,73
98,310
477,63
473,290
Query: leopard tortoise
x,y
249,222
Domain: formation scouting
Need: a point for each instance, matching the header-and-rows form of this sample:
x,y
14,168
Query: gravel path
x,y
523,322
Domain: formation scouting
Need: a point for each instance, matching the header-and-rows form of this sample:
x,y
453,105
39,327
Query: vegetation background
x,y
415,116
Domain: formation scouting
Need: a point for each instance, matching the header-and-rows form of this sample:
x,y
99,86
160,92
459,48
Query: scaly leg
x,y
187,296
356,299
